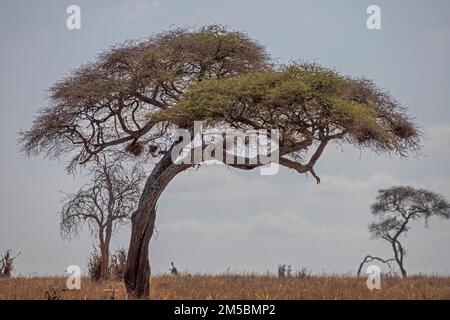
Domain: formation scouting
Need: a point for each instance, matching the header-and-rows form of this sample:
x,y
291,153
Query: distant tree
x,y
107,200
395,208
7,263
136,94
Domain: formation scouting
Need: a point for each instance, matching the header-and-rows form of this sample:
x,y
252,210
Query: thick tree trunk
x,y
137,272
104,262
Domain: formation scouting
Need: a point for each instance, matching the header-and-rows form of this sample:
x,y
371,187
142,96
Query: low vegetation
x,y
116,266
230,286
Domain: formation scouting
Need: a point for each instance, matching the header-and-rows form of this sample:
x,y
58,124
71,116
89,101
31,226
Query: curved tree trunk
x,y
403,271
137,272
398,255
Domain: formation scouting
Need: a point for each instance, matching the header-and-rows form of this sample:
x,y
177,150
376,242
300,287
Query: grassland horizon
x,y
234,287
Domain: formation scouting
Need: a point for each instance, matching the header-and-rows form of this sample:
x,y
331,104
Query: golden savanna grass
x,y
246,287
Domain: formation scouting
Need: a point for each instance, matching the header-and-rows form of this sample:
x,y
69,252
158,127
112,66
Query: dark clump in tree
x,y
105,202
134,96
394,210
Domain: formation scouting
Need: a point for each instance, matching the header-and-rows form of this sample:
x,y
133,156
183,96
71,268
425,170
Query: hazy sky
x,y
217,218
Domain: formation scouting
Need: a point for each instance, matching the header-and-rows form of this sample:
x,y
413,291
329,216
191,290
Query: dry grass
x,y
233,287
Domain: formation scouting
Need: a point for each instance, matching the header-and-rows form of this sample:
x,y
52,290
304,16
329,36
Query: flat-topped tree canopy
x,y
309,104
134,90
105,103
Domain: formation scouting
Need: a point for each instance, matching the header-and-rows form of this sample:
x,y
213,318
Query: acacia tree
x,y
105,202
395,208
134,95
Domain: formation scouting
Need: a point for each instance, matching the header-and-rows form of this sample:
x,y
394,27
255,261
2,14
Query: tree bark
x,y
399,251
137,272
403,271
104,263
104,253
398,254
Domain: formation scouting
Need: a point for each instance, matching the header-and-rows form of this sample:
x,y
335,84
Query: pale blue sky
x,y
248,222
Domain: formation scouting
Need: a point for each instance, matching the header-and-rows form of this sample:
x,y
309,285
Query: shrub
x,y
116,266
94,266
7,263
284,270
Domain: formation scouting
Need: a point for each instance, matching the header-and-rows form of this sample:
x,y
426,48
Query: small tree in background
x,y
7,263
106,201
395,208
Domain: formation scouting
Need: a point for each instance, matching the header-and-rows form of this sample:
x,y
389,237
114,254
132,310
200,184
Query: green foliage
x,y
127,97
298,99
